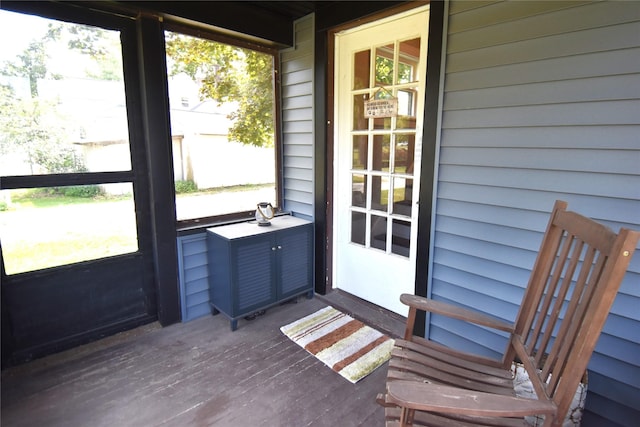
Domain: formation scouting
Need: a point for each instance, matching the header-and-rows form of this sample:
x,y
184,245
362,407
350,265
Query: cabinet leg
x,y
214,311
310,295
234,324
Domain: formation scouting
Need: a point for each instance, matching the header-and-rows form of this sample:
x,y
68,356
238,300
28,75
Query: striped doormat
x,y
344,344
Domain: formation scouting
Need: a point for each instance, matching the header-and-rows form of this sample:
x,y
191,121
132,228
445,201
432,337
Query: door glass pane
x,y
360,152
381,153
382,149
378,232
358,227
379,193
401,237
384,65
361,65
62,98
406,109
359,193
382,123
402,196
409,56
404,153
49,227
359,121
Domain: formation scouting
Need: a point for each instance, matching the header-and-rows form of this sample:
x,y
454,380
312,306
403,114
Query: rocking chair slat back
x,y
568,297
573,283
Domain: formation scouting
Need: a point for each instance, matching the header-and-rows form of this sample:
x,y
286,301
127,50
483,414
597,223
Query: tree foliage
x,y
230,74
31,63
31,126
102,46
384,71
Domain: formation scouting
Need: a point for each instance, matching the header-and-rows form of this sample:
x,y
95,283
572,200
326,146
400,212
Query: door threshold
x,y
373,315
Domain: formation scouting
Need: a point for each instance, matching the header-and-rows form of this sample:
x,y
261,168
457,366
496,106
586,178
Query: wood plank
x,y
456,401
196,373
455,312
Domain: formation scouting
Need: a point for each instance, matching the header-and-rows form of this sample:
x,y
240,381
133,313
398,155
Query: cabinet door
x,y
254,273
295,263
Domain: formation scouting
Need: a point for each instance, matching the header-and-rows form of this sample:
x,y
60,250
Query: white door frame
x,y
355,272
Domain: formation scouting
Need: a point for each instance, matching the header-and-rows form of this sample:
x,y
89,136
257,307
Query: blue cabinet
x,y
253,267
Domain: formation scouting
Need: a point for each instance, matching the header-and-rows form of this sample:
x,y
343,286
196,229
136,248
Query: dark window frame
x,y
135,176
192,225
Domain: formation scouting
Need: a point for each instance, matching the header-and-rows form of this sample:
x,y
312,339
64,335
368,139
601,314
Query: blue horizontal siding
x,y
617,403
193,276
528,208
456,334
592,160
297,121
541,102
586,183
503,292
564,137
623,327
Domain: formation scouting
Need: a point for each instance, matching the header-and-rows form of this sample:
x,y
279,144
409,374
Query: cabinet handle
x,y
273,248
279,247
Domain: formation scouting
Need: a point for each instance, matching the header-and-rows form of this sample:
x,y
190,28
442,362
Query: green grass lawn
x,y
42,232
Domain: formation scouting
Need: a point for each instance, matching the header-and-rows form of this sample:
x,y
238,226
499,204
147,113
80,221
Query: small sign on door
x,y
380,108
383,104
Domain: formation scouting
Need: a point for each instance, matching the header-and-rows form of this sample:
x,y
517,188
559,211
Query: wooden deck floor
x,y
196,374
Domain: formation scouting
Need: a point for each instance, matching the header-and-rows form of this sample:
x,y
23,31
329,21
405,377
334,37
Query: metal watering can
x,y
264,213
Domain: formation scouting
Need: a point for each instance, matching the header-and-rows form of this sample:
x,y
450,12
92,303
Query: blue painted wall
x,y
194,276
541,102
297,122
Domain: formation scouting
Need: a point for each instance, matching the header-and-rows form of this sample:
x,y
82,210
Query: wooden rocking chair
x,y
571,289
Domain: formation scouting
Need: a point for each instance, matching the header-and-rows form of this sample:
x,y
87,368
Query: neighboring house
x,y
199,133
526,102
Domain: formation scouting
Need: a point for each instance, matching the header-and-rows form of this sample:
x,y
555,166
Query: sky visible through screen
x,y
17,30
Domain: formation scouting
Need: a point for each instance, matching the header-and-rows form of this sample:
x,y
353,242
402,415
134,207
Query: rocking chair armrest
x,y
449,310
445,399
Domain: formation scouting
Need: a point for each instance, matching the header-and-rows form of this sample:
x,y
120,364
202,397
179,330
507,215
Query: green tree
x,y
31,63
102,46
31,126
384,71
230,74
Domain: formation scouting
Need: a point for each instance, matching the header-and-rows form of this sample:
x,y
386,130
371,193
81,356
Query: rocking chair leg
x,y
406,417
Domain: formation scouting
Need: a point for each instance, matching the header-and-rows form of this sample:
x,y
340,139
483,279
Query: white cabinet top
x,y
251,228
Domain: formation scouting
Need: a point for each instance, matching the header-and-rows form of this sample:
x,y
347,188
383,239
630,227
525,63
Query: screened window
x,y
224,137
63,124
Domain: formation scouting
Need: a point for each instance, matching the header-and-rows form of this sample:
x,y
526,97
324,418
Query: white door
x,y
377,160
